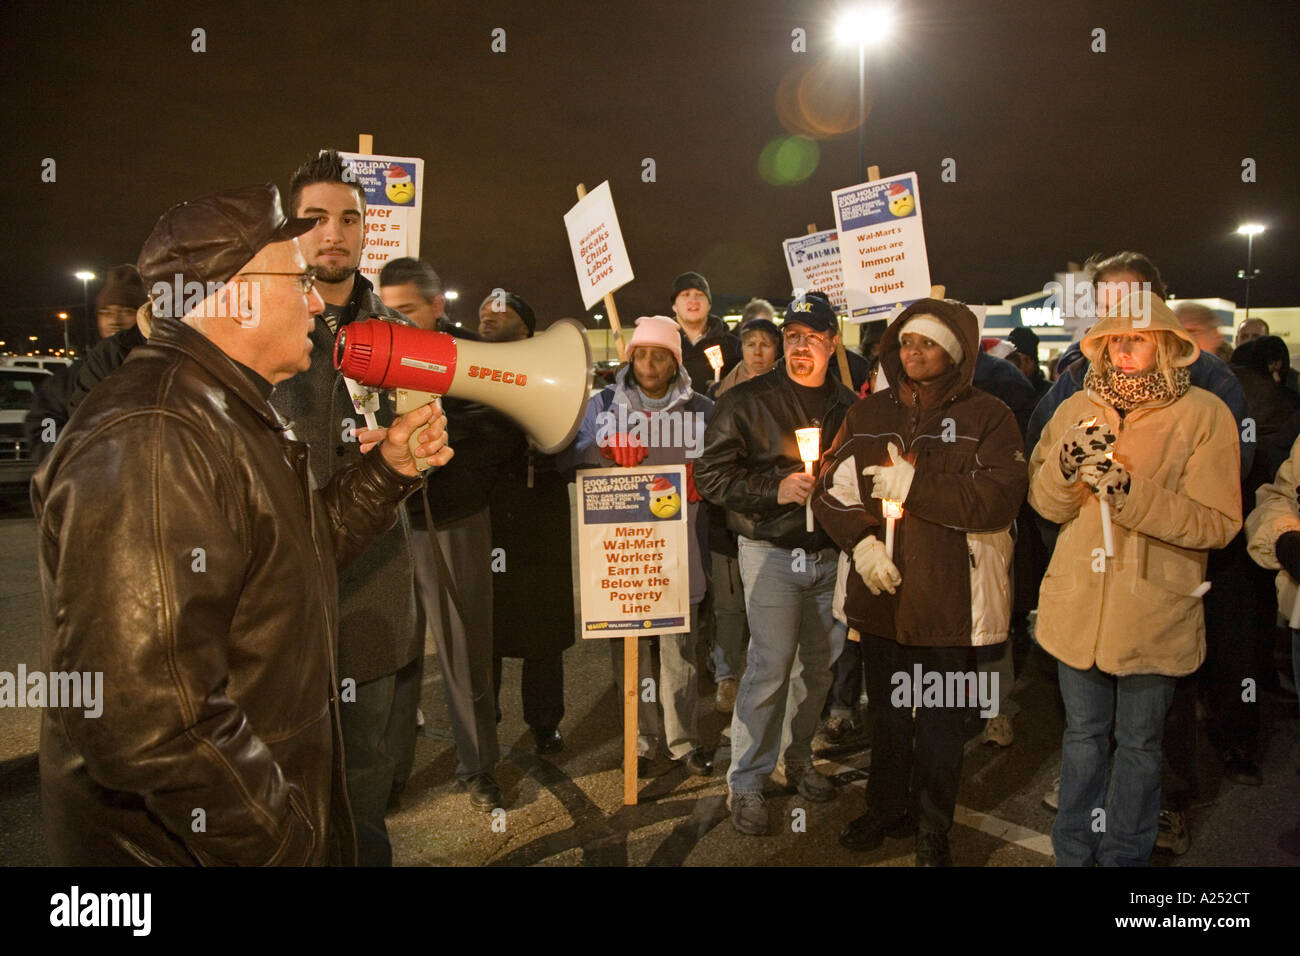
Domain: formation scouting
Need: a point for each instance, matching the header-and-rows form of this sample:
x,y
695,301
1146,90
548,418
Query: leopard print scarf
x,y
1126,392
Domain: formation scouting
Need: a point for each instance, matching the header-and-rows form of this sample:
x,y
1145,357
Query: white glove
x,y
894,480
877,571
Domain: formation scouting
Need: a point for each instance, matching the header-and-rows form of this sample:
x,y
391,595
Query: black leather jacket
x,y
750,446
185,556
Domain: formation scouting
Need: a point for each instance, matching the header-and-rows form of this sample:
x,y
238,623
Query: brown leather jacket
x,y
185,555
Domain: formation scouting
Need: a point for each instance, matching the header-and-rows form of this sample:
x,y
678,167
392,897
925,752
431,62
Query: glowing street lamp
x,y
63,317
1250,230
865,26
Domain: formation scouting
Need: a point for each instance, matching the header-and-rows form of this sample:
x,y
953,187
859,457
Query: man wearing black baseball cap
x,y
752,467
206,597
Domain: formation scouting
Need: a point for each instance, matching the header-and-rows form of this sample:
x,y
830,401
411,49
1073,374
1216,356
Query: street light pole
x,y
862,110
1250,230
85,276
867,25
67,348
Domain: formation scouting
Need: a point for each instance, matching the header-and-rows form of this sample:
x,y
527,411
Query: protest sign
x,y
814,265
394,187
632,551
882,245
599,255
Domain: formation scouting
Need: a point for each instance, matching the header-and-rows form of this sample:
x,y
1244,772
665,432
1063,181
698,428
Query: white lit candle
x,y
810,445
714,355
893,510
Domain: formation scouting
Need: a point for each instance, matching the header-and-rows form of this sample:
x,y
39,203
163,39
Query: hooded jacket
x,y
953,544
209,603
1140,611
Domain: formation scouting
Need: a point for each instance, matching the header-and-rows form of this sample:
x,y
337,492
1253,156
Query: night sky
x,y
1060,152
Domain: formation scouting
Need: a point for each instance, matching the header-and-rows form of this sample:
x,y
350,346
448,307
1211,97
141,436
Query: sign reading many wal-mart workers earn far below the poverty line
x,y
394,187
632,557
599,255
882,245
814,265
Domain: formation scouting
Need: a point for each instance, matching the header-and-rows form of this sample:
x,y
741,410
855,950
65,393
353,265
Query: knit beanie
x,y
691,280
659,331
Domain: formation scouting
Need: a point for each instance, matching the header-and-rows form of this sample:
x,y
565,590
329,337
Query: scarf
x,y
1125,392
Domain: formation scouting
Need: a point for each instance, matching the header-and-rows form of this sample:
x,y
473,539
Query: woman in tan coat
x,y
1163,458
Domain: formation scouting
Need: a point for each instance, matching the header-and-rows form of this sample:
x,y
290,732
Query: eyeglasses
x,y
306,280
796,339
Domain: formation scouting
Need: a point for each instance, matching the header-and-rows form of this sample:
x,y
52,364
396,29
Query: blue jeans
x,y
789,615
1134,707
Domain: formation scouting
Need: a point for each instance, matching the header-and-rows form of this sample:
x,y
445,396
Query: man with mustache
x,y
751,466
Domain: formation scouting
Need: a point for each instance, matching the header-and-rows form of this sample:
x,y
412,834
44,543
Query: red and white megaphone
x,y
540,383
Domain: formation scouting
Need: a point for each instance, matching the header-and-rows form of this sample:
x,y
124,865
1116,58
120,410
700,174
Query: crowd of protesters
x,y
965,505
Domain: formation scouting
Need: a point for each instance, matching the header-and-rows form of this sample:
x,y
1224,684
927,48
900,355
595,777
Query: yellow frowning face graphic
x,y
398,186
901,200
665,501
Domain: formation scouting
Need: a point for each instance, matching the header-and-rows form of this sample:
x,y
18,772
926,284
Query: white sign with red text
x,y
599,255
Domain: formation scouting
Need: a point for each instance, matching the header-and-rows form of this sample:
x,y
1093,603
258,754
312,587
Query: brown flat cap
x,y
210,239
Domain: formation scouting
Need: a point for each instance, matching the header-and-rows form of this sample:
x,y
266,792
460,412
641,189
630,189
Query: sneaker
x,y
869,830
932,850
1173,835
1052,798
998,731
811,783
748,813
725,699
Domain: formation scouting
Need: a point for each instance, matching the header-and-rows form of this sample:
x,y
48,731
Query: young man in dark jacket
x,y
700,331
752,467
379,644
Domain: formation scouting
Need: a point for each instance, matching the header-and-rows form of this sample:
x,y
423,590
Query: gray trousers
x,y
731,628
677,690
464,646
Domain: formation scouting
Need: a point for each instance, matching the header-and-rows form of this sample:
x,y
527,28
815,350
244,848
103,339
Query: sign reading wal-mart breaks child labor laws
x,y
814,264
632,557
599,255
394,188
882,246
